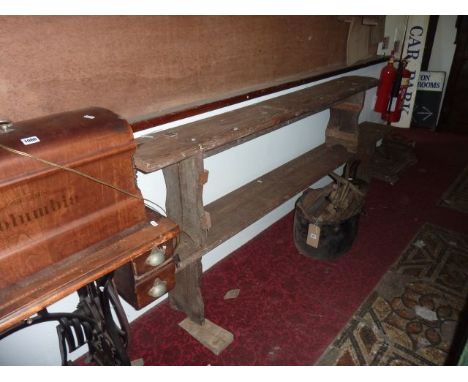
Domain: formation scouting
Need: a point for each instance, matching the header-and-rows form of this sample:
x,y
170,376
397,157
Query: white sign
x,y
431,81
30,140
413,53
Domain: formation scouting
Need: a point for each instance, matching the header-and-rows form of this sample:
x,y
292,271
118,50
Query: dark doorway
x,y
454,112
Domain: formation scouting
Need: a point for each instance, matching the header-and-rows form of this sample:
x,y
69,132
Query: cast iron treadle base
x,y
91,323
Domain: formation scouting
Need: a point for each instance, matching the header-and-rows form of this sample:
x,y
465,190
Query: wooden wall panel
x,y
140,66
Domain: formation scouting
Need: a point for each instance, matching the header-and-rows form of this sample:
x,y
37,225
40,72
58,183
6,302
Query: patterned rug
x,y
456,196
410,318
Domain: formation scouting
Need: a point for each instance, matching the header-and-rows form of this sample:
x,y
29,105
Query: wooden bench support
x,y
184,200
369,134
180,152
342,127
184,204
186,295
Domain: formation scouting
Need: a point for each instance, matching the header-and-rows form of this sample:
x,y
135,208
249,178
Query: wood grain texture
x,y
214,134
184,200
135,289
31,294
142,65
186,295
185,111
47,213
210,335
179,152
140,266
342,127
242,207
136,278
369,134
184,204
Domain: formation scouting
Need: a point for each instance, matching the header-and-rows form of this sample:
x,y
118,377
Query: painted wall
x,y
395,31
227,171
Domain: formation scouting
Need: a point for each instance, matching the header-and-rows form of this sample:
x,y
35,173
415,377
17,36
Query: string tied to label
x,y
82,174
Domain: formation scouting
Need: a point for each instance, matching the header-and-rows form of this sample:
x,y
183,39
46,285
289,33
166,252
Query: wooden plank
x,y
184,201
242,207
217,133
210,335
343,123
191,110
25,298
370,133
186,295
184,204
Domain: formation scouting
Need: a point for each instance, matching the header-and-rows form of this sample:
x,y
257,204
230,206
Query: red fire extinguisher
x,y
397,96
384,89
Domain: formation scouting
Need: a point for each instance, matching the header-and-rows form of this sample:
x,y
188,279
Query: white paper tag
x,y
30,140
313,235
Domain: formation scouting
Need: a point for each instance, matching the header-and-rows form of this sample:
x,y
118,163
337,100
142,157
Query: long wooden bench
x,y
180,151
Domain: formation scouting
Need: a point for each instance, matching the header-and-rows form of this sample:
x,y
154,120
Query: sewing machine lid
x,y
67,139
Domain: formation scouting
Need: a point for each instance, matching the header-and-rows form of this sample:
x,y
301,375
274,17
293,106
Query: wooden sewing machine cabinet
x,y
70,215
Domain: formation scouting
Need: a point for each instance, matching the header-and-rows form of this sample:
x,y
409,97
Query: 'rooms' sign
x,y
428,97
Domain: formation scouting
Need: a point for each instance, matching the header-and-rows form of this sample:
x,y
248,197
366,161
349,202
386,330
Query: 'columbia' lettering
x,y
54,205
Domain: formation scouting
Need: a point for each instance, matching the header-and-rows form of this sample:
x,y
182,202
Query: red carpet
x,y
291,307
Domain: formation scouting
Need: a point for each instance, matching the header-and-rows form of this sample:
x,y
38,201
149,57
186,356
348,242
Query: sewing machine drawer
x,y
154,284
147,277
140,291
151,260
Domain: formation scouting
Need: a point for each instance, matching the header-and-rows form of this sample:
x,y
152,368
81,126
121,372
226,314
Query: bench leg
x,y
186,295
343,126
184,205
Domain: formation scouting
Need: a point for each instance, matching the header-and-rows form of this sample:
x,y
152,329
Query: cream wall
x,y
395,30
